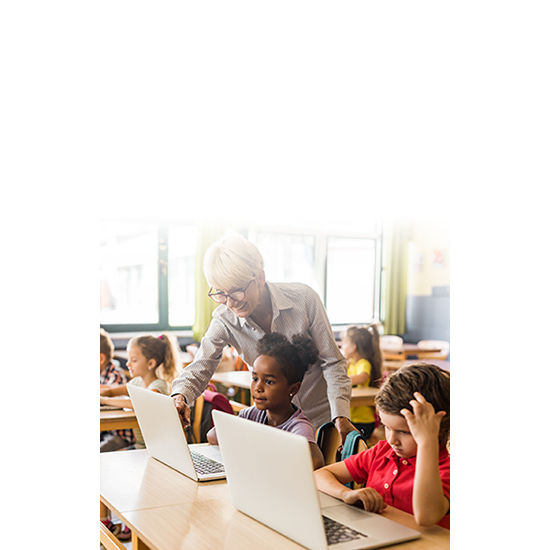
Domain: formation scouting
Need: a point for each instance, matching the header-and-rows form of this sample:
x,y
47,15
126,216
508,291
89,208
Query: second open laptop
x,y
270,478
165,439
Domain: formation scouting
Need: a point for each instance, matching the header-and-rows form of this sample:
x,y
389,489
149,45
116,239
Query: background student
x,y
277,374
109,373
111,377
411,468
249,308
361,347
152,364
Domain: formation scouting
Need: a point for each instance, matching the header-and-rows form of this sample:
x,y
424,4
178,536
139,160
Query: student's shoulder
x,y
251,413
161,385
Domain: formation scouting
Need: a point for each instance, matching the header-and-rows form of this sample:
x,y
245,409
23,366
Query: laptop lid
x,y
164,436
270,477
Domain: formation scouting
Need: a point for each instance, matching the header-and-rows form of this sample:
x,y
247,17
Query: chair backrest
x,y
328,440
201,414
443,345
391,342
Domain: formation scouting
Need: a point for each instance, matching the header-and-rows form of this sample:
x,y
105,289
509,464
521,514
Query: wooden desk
x,y
117,420
239,379
168,511
407,350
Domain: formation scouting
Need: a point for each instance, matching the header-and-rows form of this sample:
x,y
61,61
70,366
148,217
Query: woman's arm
x,y
429,501
333,366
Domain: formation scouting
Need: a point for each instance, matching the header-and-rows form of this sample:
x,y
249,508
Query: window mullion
x,y
163,277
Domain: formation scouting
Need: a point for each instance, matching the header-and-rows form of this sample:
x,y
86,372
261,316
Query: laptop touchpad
x,y
345,513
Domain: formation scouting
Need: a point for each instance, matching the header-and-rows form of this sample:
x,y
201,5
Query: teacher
x,y
249,308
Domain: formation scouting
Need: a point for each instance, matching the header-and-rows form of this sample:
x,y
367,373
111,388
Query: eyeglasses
x,y
235,296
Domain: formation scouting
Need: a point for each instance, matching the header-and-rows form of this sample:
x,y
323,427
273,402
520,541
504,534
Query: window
x,y
343,269
148,271
147,276
289,258
129,274
351,280
182,241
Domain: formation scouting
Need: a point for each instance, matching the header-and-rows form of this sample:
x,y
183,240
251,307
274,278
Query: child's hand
x,y
370,498
423,422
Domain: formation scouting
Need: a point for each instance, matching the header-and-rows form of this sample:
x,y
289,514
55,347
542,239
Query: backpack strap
x,y
352,445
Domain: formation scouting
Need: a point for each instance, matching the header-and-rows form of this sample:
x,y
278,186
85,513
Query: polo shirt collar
x,y
391,455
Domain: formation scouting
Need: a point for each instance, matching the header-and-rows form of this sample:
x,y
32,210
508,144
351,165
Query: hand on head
x,y
423,421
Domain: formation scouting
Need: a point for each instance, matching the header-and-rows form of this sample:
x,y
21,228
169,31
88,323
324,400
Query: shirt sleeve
x,y
359,465
303,428
332,362
195,376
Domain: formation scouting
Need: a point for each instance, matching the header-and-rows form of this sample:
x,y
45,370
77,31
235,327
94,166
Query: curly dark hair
x,y
431,381
295,356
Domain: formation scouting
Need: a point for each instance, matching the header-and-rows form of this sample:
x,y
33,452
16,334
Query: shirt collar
x,y
391,455
278,302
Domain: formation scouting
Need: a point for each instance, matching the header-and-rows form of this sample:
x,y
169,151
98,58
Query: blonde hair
x,y
231,262
163,350
106,344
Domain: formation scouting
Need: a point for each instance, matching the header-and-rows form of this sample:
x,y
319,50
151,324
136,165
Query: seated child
x,y
152,364
411,468
361,347
277,374
110,377
148,358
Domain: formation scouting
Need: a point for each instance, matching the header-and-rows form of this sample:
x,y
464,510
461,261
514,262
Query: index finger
x,y
419,397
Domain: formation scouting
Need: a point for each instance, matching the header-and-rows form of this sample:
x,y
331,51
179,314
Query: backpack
x,y
355,443
204,405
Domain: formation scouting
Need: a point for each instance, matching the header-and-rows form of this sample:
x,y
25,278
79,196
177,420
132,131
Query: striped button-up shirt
x,y
297,309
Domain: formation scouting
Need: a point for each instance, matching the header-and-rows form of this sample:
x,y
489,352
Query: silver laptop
x,y
165,440
270,478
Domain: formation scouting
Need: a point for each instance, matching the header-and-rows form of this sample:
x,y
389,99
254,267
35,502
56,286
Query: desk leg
x,y
137,543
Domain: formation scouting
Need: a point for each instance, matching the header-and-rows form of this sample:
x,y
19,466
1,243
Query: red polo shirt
x,y
393,476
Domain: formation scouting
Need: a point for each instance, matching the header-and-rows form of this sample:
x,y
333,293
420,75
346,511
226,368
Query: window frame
x,y
321,239
163,299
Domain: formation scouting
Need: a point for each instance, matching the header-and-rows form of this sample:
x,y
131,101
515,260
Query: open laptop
x,y
270,478
165,440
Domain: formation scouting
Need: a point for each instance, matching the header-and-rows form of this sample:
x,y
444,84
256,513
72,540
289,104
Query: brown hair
x,y
431,381
163,350
106,344
367,341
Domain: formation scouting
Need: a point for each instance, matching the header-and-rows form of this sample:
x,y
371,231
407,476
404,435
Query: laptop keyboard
x,y
205,465
338,532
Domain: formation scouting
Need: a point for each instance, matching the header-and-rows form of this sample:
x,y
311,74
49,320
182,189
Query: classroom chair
x,y
328,440
108,540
